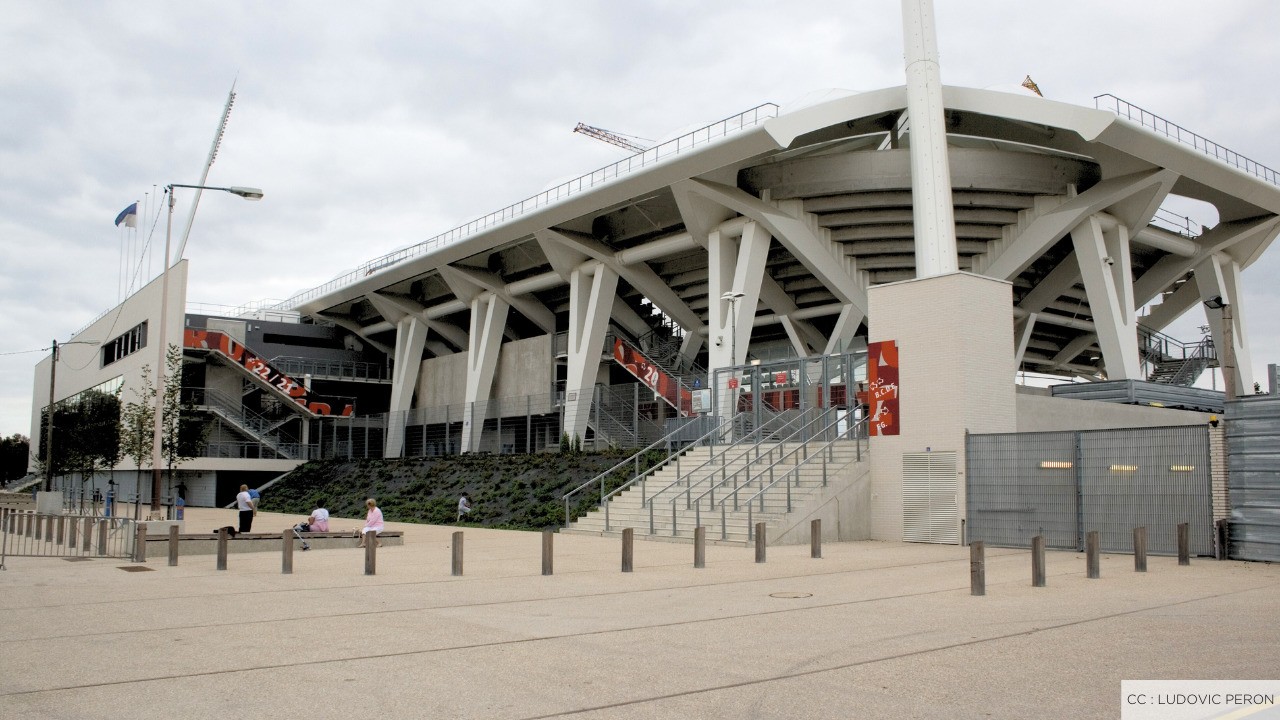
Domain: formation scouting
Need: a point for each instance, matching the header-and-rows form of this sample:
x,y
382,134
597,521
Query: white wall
x,y
1045,414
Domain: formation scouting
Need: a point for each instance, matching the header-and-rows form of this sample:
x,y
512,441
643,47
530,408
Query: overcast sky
x,y
375,125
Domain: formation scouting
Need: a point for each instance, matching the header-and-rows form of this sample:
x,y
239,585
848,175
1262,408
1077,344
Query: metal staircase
x,y
1173,362
259,428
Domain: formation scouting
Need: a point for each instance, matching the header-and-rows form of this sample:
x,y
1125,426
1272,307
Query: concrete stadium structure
x,y
812,231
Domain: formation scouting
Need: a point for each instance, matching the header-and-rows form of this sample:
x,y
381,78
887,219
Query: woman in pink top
x,y
372,522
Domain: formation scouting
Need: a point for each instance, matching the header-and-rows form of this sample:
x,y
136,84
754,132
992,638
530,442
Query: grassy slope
x,y
511,491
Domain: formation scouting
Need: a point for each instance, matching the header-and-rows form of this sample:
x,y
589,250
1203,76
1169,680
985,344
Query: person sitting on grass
x,y
464,507
372,522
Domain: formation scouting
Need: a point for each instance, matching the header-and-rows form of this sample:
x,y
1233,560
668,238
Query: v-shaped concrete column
x,y
488,318
592,287
411,337
1219,276
1108,279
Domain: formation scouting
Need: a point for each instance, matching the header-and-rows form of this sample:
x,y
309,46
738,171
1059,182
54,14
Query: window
x,y
127,344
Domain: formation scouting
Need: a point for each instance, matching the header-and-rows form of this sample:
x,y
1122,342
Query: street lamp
x,y
732,297
1228,339
157,461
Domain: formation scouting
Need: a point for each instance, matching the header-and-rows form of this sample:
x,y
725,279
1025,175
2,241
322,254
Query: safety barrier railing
x,y
346,369
608,173
676,443
742,451
30,534
1154,122
858,432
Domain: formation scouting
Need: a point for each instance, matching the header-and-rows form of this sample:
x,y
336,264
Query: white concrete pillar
x,y
1108,281
933,214
734,265
1219,276
488,319
591,290
411,337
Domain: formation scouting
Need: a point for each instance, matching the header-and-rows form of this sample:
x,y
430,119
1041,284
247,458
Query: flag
x,y
128,216
1032,86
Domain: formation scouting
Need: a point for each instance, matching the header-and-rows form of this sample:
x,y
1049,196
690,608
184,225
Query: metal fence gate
x,y
1064,484
1253,452
30,534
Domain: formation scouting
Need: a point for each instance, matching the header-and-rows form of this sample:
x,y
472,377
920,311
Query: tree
x,y
14,455
86,436
182,430
137,425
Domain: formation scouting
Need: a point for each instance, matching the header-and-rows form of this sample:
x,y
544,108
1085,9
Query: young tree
x,y
183,430
137,425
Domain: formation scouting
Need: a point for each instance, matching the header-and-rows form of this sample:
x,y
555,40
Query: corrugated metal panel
x,y
930,512
1253,454
1140,392
1062,485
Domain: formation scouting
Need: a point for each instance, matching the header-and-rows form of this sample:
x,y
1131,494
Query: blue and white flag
x,y
128,216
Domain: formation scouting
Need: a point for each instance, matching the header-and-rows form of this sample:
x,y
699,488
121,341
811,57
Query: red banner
x,y
259,368
654,377
882,387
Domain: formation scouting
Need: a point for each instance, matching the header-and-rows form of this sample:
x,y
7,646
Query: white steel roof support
x,y
932,211
359,330
411,337
1219,276
1105,267
736,267
800,234
1219,239
591,292
1044,226
1022,328
846,329
488,318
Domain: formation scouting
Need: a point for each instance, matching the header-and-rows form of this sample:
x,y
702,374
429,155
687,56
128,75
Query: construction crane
x,y
611,138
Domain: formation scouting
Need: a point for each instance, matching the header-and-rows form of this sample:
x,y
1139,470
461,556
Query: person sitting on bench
x,y
372,523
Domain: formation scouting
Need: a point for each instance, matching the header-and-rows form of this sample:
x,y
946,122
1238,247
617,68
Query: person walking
x,y
464,507
244,503
372,523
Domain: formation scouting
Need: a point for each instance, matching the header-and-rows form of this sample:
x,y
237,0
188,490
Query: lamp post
x,y
157,460
1228,339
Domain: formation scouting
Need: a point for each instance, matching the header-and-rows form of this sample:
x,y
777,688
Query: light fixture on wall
x,y
1124,468
1182,468
1056,464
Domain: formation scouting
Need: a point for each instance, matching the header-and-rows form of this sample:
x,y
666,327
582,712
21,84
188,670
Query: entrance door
x,y
930,512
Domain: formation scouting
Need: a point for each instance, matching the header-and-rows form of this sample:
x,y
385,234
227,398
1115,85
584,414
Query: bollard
x,y
760,544
699,547
1093,566
48,528
87,532
102,540
628,549
139,542
815,539
173,546
548,538
1222,533
1037,561
457,554
222,548
61,530
977,568
1140,549
370,554
1184,544
71,534
286,552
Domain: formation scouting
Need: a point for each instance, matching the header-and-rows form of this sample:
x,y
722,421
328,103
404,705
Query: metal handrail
x,y
723,462
668,439
608,173
1188,367
794,471
1147,119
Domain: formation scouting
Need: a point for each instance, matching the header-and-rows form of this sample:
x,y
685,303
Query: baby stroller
x,y
298,530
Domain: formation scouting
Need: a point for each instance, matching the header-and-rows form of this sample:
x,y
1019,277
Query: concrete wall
x,y
956,373
1046,414
844,507
80,360
524,368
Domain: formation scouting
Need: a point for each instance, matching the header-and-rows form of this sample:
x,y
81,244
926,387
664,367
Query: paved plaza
x,y
873,629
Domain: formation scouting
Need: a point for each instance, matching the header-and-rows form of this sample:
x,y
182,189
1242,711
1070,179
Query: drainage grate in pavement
x,y
135,568
790,595
77,559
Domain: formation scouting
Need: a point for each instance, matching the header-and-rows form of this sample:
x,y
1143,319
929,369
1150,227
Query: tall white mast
x,y
204,176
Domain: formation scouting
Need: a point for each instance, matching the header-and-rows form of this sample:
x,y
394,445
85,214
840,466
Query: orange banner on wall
x,y
260,369
882,387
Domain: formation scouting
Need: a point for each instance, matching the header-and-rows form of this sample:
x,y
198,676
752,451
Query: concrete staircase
x,y
724,523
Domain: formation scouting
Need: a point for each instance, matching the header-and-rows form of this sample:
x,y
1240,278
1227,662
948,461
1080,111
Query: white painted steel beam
x,y
1219,276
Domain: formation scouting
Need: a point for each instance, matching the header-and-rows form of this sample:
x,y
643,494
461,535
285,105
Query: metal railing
x,y
743,450
857,430
1147,119
684,143
676,446
29,534
348,369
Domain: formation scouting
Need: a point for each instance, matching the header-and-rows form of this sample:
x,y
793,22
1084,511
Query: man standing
x,y
244,503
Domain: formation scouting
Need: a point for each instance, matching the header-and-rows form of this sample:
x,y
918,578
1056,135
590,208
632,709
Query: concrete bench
x,y
207,543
